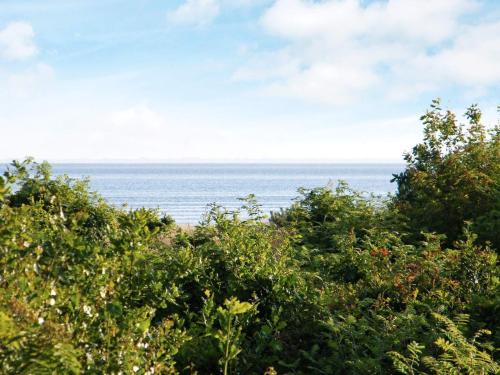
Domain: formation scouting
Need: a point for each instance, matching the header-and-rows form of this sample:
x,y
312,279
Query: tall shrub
x,y
453,176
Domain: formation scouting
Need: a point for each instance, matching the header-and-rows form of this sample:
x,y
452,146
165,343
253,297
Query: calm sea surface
x,y
184,190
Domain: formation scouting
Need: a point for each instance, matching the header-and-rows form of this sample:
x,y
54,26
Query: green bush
x,y
453,176
326,218
339,283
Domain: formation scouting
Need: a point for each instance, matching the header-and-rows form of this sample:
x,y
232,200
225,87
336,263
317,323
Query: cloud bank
x,y
338,51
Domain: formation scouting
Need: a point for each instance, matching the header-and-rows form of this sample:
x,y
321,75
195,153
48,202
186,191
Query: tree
x,y
453,176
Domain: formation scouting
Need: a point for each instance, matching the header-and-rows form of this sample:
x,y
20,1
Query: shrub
x,y
339,283
453,176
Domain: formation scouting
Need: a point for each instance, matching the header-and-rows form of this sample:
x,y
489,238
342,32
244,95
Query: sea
x,y
184,191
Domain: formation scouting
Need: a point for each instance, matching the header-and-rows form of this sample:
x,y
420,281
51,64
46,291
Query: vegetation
x,y
452,177
336,284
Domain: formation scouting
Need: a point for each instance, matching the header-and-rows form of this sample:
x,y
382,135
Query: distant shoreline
x,y
213,162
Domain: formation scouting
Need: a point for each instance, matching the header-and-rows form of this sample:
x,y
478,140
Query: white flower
x,y
142,345
87,310
26,244
53,292
102,292
41,320
35,267
52,302
86,273
135,368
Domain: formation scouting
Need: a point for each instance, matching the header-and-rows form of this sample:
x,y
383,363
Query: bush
x,y
326,219
453,177
339,283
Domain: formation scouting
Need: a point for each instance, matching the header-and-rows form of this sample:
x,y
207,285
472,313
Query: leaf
x,y
236,307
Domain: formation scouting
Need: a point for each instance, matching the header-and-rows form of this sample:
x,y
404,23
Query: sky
x,y
238,80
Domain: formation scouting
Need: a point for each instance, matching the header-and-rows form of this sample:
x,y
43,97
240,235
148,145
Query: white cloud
x,y
473,58
21,80
341,50
195,12
341,20
324,82
243,3
203,12
16,41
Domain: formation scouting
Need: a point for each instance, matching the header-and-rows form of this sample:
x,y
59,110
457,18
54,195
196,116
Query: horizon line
x,y
210,161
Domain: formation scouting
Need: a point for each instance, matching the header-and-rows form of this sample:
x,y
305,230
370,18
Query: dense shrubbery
x,y
335,284
453,176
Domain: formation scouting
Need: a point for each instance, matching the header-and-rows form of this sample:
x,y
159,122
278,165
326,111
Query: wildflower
x,y
52,302
102,292
136,368
53,292
384,252
41,320
87,310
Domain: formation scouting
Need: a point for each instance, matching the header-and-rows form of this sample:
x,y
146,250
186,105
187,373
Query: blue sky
x,y
213,80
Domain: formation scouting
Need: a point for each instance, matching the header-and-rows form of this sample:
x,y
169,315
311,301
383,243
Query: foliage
x,y
324,218
453,176
338,283
457,354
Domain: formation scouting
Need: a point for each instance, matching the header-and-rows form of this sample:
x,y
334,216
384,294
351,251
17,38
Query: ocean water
x,y
184,190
